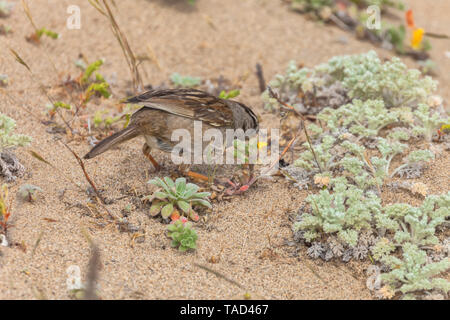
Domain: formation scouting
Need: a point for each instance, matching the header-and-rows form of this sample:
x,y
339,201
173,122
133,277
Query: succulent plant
x,y
183,236
29,192
178,194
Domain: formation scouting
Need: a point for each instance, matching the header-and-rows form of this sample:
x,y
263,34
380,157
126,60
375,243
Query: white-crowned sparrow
x,y
166,110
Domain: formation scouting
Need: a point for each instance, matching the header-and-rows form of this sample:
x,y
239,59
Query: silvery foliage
x,y
10,167
389,105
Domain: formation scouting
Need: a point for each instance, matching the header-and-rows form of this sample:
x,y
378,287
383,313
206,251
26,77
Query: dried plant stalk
x,y
131,59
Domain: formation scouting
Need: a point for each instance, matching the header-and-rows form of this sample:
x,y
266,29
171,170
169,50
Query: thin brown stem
x,y
89,180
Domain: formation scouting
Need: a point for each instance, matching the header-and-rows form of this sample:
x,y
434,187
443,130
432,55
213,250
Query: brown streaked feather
x,y
189,103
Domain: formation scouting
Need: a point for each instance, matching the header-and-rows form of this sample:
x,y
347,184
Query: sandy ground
x,y
245,235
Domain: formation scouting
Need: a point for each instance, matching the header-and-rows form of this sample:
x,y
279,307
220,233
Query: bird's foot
x,y
238,187
185,170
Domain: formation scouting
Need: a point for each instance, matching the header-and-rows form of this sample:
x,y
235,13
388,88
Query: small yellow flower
x,y
417,37
445,128
262,145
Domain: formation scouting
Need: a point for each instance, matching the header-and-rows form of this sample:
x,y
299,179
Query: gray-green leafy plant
x,y
183,236
337,156
10,167
412,274
322,159
408,224
178,194
362,118
355,145
363,77
359,167
344,212
366,77
364,169
7,138
414,164
427,121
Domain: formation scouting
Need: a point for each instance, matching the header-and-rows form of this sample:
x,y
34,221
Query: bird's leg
x,y
247,171
146,151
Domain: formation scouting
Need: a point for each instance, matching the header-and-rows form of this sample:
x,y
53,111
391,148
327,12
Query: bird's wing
x,y
189,103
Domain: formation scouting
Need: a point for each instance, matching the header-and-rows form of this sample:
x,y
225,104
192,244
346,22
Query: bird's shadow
x,y
179,5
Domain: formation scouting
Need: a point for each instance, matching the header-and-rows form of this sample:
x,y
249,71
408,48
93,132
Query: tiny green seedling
x,y
5,30
184,81
89,70
107,121
58,105
230,94
37,35
178,194
98,85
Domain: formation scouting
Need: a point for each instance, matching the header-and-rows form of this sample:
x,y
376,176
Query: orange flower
x,y
175,216
417,37
410,19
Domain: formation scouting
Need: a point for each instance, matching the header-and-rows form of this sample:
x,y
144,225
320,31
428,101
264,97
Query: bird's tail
x,y
117,138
